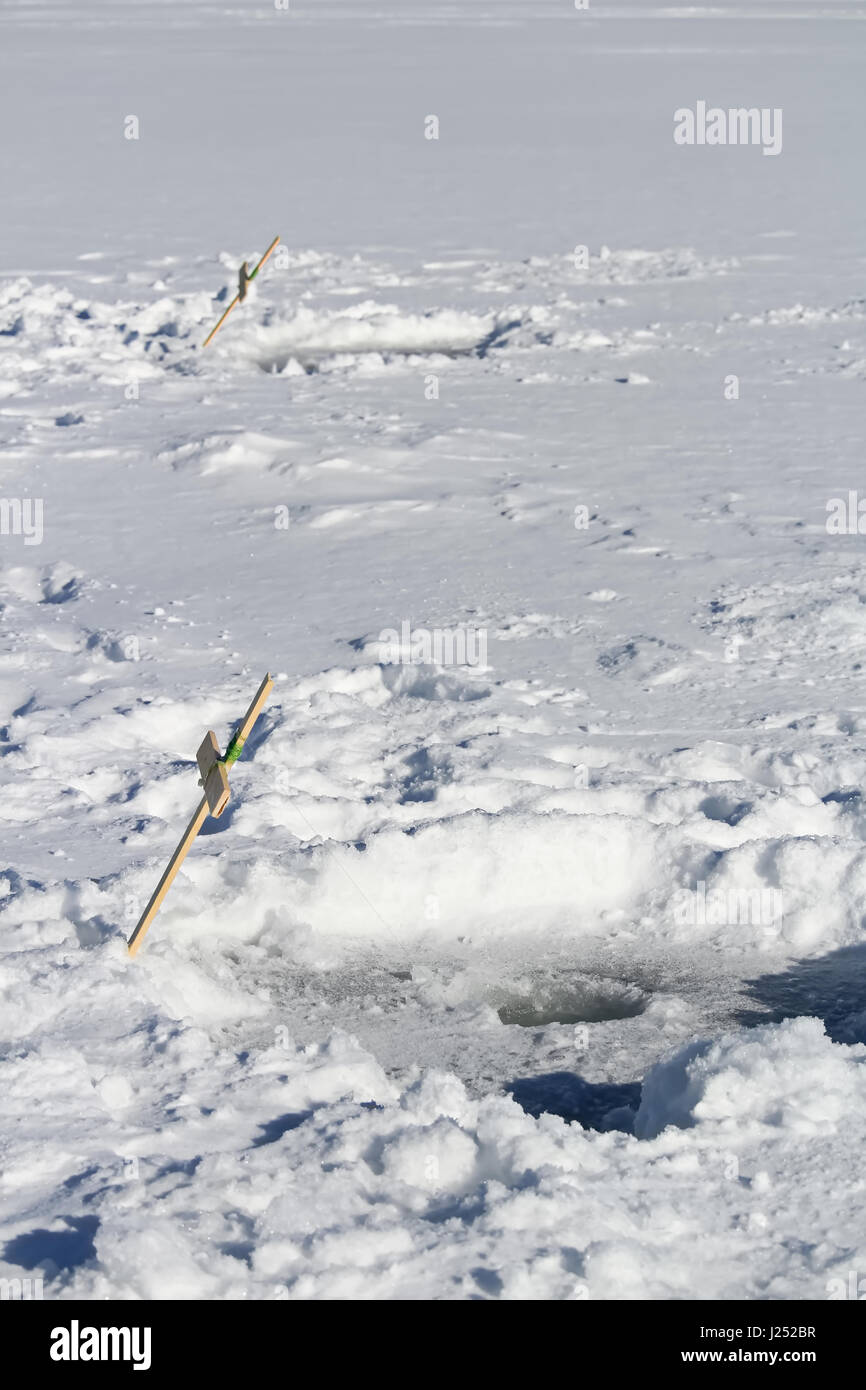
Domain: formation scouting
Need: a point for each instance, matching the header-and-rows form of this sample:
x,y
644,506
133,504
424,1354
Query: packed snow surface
x,y
528,958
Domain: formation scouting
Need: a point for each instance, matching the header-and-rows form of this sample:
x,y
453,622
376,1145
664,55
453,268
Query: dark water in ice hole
x,y
579,1001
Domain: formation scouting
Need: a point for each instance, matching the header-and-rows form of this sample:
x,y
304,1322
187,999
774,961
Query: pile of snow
x,y
786,1077
304,1173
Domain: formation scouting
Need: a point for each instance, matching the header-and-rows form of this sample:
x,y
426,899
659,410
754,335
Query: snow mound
x,y
369,327
298,1173
788,1076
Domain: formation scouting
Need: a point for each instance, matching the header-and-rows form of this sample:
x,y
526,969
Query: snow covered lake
x,y
528,958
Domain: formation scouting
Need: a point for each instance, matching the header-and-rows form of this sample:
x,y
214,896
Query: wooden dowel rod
x,y
167,879
255,272
239,738
218,326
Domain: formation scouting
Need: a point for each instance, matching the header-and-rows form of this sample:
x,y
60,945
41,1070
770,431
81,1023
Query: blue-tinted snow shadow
x,y
830,987
273,1130
62,1249
594,1105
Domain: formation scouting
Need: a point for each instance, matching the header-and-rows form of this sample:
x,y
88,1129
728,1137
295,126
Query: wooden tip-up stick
x,y
243,281
214,779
